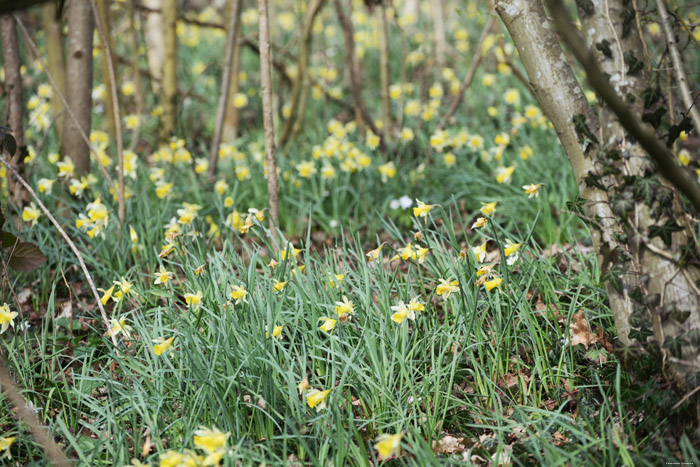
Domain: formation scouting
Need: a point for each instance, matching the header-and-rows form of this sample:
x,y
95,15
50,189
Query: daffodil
x,y
193,300
303,386
239,294
511,251
328,323
422,209
405,253
532,190
504,174
6,317
446,287
31,214
294,252
344,307
317,399
480,252
106,294
374,254
492,284
210,439
403,311
276,332
115,327
488,208
161,345
163,276
388,445
480,223
5,443
279,286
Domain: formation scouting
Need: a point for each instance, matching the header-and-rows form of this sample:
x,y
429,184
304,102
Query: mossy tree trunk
x,y
56,60
105,19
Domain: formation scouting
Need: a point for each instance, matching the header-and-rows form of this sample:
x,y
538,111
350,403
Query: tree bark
x,y
136,68
231,117
56,59
79,83
438,11
649,277
103,9
169,91
232,26
384,71
14,101
153,28
268,122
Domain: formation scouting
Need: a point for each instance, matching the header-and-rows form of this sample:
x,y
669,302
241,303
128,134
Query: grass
x,y
485,377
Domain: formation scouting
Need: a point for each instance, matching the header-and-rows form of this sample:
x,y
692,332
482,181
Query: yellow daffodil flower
x,y
239,294
492,284
446,287
317,399
210,439
532,190
389,445
328,324
422,209
480,252
163,276
7,317
161,345
488,208
193,300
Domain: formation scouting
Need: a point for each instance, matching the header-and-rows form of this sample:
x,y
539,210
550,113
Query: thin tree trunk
x,y
231,118
56,59
114,99
79,83
361,114
14,101
136,68
439,32
169,91
103,9
232,26
384,71
268,122
302,69
153,28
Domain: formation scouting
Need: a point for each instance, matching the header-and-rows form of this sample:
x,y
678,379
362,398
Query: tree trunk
x,y
650,282
232,26
439,32
268,122
169,91
302,69
79,83
57,61
384,71
14,101
103,9
361,114
231,118
136,68
153,29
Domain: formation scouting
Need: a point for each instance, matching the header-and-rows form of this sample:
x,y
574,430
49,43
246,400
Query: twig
x,y
115,109
231,33
665,161
68,240
678,65
67,107
40,432
685,398
476,61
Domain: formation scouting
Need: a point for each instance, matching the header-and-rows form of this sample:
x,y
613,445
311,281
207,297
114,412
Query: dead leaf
x,y
580,331
24,295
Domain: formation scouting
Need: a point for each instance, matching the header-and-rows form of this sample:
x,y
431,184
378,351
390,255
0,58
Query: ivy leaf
x,y
650,96
604,47
646,189
576,205
26,257
675,131
7,141
582,129
665,231
622,205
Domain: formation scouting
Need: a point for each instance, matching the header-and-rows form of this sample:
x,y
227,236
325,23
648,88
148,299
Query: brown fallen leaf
x,y
580,331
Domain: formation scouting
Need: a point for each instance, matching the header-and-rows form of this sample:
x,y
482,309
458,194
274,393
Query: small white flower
x,y
405,202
